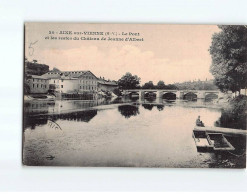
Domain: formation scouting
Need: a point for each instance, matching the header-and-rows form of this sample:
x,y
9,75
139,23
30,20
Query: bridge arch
x,y
190,96
148,94
134,95
211,96
169,96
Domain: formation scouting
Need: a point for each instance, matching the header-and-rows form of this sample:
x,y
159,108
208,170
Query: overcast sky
x,y
172,53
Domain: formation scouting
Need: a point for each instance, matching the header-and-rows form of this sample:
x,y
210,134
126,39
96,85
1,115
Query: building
x,y
87,82
243,92
54,77
72,81
105,86
67,85
38,84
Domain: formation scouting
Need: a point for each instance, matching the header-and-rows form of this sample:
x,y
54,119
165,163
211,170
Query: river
x,y
120,132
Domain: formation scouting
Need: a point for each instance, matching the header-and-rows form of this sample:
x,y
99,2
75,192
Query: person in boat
x,y
199,122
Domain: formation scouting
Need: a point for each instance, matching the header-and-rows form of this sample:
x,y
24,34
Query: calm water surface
x,y
118,132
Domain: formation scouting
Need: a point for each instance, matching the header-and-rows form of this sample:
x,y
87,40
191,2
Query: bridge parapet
x,y
201,94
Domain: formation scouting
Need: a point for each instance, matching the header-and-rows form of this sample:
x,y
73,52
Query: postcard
x,y
134,95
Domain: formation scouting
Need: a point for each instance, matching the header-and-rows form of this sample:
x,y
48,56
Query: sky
x,y
172,53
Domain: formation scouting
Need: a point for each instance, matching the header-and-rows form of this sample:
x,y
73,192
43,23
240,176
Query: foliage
x,y
235,115
161,85
55,69
34,68
170,86
148,85
197,85
129,81
229,59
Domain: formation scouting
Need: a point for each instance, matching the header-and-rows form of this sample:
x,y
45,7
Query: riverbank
x,y
234,115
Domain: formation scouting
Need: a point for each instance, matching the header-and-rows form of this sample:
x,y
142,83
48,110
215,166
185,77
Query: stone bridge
x,y
180,94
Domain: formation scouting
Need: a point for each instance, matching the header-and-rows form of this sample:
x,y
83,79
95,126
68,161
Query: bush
x,y
235,115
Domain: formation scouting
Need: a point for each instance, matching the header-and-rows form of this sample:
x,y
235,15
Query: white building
x,y
67,85
72,81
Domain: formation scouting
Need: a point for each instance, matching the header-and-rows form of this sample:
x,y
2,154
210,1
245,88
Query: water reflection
x,y
128,110
102,128
53,107
148,106
160,107
31,121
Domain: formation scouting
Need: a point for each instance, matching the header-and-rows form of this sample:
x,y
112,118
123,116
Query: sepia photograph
x,y
134,95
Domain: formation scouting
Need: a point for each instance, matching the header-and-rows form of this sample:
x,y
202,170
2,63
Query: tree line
x,y
197,85
129,81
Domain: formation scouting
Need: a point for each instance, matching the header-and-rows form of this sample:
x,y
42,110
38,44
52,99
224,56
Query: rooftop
x,y
39,77
57,74
72,75
104,82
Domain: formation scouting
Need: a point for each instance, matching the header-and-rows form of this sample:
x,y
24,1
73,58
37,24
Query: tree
x,y
161,85
56,70
171,86
26,88
129,81
229,58
148,85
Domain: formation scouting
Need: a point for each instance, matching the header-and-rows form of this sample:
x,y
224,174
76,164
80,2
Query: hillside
x,y
32,68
